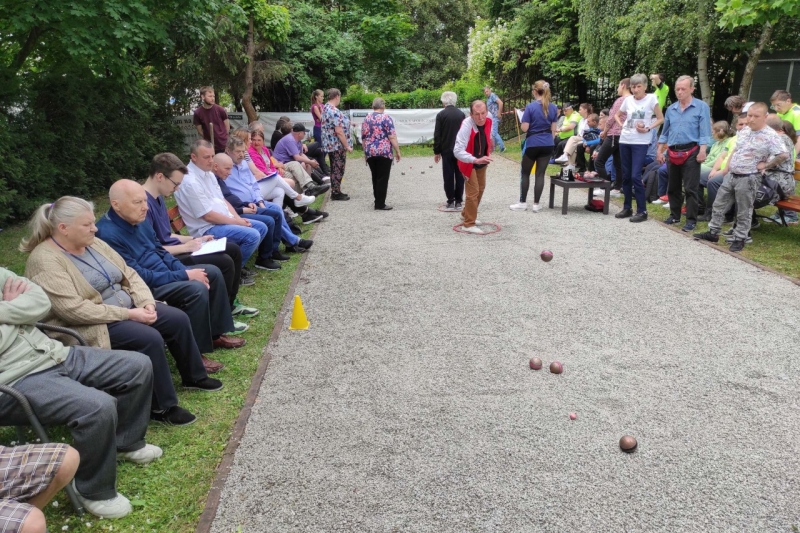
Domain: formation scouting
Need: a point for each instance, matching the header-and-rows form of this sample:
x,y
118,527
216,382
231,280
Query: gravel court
x,y
408,406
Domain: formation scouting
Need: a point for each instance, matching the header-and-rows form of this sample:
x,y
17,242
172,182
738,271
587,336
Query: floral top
x,y
375,132
332,117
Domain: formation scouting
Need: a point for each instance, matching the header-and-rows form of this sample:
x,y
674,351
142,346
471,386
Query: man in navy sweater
x,y
200,292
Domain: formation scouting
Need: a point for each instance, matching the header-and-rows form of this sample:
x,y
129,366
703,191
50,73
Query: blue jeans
x,y
663,178
269,243
498,141
248,239
610,169
632,156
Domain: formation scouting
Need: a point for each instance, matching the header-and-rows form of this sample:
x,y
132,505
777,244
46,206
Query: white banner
x,y
414,126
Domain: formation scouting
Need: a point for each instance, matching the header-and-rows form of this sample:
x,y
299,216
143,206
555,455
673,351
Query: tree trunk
x,y
702,68
247,97
752,61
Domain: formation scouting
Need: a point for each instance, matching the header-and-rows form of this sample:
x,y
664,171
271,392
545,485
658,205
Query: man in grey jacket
x,y
102,396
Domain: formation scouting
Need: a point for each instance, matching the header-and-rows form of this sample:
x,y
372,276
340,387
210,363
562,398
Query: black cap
x,y
298,126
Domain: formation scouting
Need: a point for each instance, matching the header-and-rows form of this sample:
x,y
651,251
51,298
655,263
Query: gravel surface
x,y
408,406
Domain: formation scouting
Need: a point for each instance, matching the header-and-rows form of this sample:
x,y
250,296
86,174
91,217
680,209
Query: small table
x,y
567,185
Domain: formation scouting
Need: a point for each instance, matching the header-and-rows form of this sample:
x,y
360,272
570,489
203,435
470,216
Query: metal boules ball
x,y
628,444
535,363
556,367
546,256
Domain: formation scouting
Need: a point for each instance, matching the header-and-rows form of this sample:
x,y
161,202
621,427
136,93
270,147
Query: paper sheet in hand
x,y
212,247
519,115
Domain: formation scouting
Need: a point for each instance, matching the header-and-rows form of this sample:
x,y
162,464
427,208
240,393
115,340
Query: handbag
x,y
768,192
679,158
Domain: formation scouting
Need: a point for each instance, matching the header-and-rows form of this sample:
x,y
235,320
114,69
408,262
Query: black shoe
x,y
339,196
174,416
755,224
459,206
278,256
625,213
267,264
689,226
295,228
706,236
305,243
323,214
296,249
309,218
206,384
384,208
246,281
729,232
247,273
639,217
672,220
316,190
737,246
705,217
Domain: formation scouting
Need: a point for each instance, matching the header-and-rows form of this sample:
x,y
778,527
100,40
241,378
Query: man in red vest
x,y
472,149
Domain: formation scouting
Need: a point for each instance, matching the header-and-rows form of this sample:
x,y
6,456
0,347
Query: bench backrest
x,y
797,170
176,221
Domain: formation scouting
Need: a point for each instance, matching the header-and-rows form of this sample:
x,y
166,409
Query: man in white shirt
x,y
206,212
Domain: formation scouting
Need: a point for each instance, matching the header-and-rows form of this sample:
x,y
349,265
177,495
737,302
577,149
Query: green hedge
x,y
356,98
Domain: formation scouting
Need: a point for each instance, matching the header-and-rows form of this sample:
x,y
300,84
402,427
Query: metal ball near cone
x,y
299,319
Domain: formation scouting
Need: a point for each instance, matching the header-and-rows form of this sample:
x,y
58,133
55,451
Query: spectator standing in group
x,y
782,103
660,89
316,112
448,122
336,141
609,149
211,117
643,115
539,122
379,139
495,107
102,396
758,149
473,149
685,138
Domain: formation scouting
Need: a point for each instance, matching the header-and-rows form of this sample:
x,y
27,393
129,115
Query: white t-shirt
x,y
639,111
582,127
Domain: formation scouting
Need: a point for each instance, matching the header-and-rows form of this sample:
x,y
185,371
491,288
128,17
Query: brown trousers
x,y
473,188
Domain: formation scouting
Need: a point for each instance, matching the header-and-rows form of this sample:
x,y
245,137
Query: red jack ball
x,y
546,256
573,416
535,363
556,367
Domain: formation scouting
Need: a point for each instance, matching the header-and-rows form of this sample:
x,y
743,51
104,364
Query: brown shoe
x,y
212,367
229,342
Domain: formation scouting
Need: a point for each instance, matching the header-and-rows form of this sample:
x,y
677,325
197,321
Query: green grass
x,y
169,495
773,246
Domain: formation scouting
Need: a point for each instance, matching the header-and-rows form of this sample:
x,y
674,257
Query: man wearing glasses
x,y
166,174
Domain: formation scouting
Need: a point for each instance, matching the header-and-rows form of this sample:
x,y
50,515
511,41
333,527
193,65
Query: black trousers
x,y
539,156
686,177
609,147
453,180
208,309
228,262
381,167
173,327
315,152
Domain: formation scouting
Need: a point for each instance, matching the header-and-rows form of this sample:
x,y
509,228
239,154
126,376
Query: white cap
x,y
746,106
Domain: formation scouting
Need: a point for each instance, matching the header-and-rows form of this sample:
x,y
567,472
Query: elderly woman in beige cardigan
x,y
93,291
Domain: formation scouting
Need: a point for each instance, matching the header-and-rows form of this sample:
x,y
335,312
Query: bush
x,y
356,98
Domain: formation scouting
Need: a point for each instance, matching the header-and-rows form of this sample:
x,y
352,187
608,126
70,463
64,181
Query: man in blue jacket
x,y
200,292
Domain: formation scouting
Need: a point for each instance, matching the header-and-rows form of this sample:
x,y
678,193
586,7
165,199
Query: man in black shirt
x,y
448,121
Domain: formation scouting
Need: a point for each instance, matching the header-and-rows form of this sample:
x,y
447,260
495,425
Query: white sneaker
x,y
143,456
564,158
307,199
600,192
615,193
474,229
116,507
326,179
658,201
666,205
522,206
536,208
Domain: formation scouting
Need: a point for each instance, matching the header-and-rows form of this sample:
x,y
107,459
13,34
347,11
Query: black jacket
x,y
448,122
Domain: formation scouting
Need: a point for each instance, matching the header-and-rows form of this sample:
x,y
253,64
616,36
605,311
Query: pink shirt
x,y
615,128
260,161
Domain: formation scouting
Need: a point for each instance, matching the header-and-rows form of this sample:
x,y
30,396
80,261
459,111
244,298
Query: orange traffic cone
x,y
299,319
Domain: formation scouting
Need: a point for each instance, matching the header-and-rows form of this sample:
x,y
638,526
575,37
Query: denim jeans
x,y
633,156
271,217
498,141
248,239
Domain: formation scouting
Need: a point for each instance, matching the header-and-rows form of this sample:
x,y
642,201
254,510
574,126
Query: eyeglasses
x,y
176,185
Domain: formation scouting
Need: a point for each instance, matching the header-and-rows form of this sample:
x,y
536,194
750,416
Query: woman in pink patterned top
x,y
610,136
316,112
379,139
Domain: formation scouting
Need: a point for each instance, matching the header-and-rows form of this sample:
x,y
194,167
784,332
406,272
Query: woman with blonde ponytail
x,y
93,291
539,124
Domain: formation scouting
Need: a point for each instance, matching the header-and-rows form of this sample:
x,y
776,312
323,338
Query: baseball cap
x,y
298,127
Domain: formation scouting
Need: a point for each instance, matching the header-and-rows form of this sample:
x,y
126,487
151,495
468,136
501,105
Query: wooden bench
x,y
175,220
793,202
